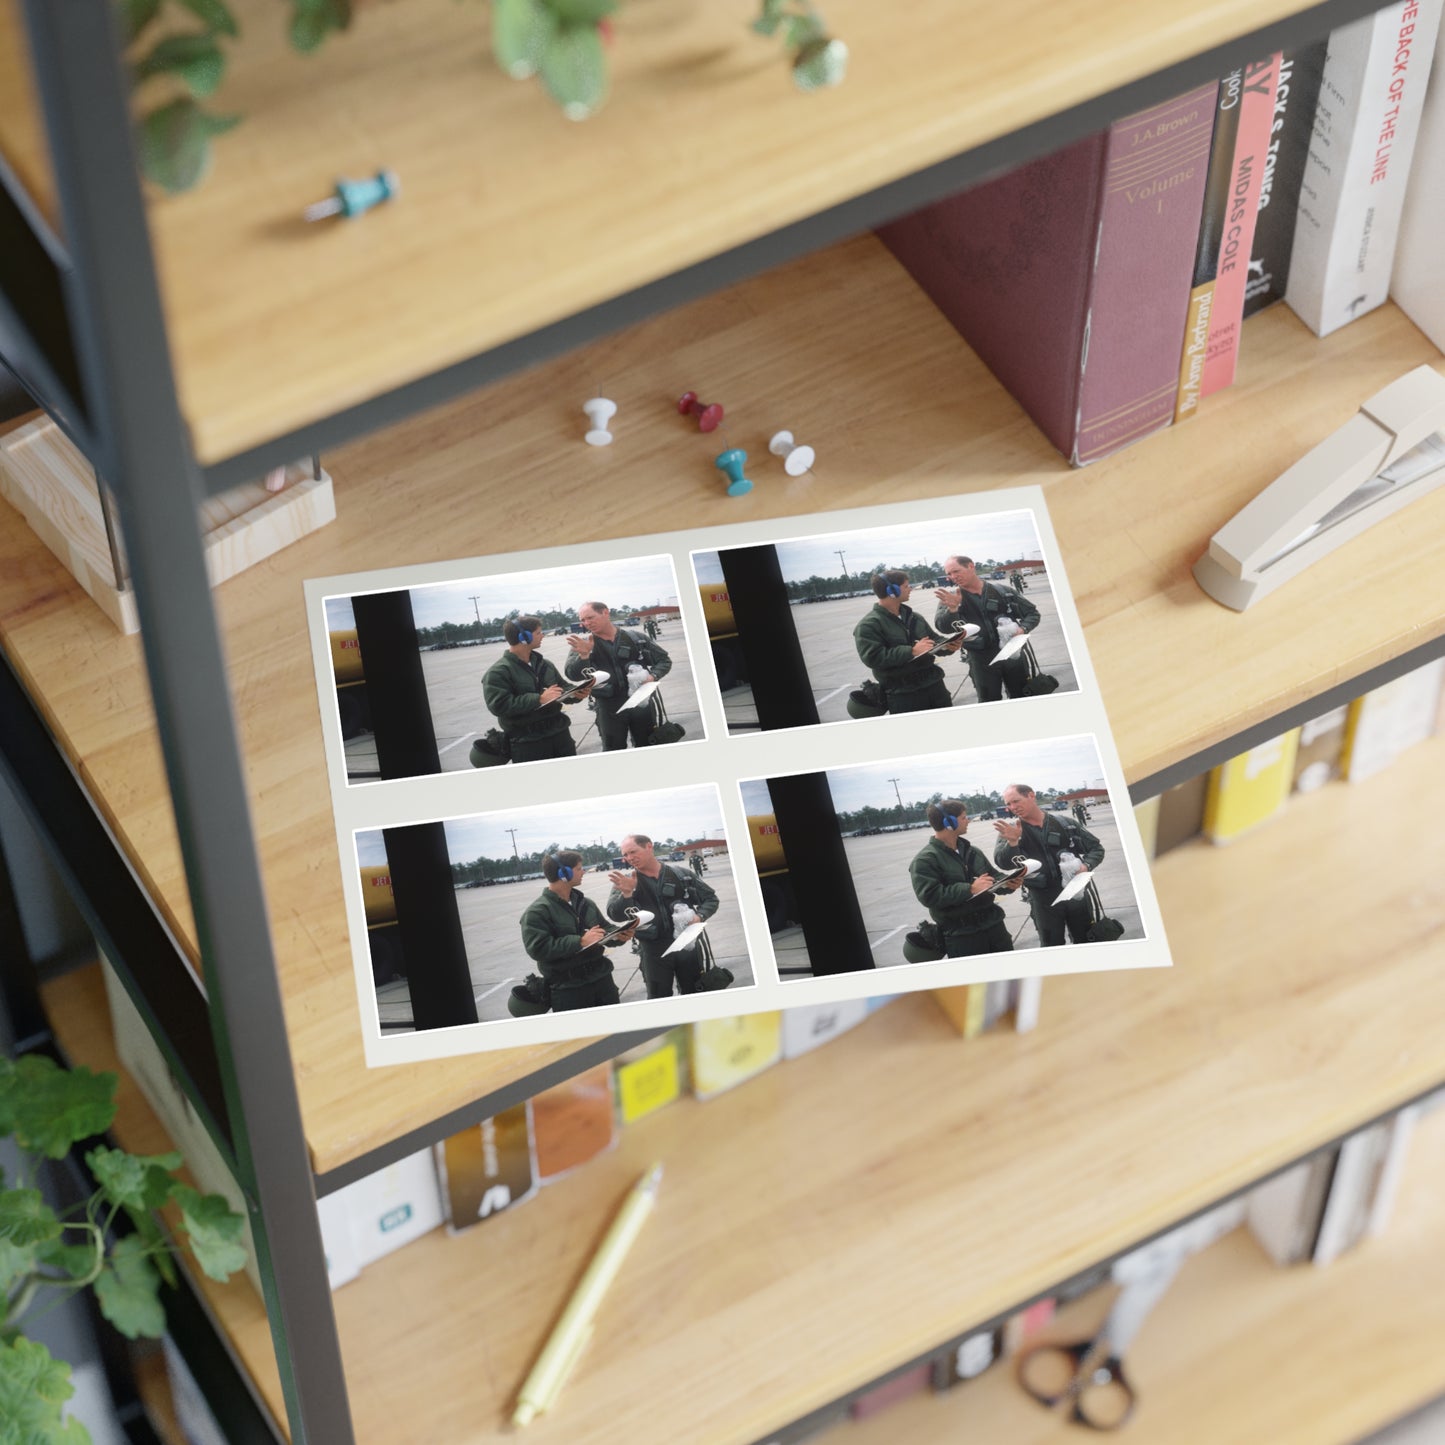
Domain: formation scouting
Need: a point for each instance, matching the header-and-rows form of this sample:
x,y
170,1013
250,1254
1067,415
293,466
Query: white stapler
x,y
1386,455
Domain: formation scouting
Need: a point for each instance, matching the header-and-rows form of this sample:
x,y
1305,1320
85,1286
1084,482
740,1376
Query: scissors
x,y
1089,1374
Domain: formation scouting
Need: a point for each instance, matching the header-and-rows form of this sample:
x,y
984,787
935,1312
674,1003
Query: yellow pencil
x,y
567,1340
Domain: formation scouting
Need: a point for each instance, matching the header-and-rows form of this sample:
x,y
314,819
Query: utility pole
x,y
516,859
899,796
844,565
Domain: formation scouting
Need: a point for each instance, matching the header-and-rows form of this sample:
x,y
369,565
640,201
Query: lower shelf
x,y
1240,1349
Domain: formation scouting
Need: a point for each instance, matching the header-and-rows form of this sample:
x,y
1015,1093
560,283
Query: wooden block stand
x,y
50,483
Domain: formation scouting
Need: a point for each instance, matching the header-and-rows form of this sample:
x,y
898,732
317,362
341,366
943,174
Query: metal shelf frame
x,y
82,328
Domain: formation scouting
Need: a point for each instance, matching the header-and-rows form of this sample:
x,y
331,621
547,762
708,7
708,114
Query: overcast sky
x,y
642,582
681,813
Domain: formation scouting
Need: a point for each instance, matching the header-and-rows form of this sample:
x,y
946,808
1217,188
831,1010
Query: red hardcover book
x,y
1070,275
1251,150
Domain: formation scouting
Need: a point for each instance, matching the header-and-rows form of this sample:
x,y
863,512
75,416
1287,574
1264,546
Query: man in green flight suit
x,y
952,879
892,642
1036,834
984,604
611,649
563,932
658,887
523,691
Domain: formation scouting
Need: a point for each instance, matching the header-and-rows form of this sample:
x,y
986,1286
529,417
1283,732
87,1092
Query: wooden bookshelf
x,y
1242,1350
704,144
924,419
848,1211
22,129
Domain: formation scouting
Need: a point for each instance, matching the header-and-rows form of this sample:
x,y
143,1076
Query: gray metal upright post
x,y
142,450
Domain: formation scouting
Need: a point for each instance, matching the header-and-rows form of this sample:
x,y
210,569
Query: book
x,y
393,1206
1214,209
1047,272
650,1076
487,1168
727,1051
808,1027
1026,1003
1023,1324
573,1122
1400,1130
1415,283
1353,189
965,1007
1146,814
1181,813
1321,748
1390,718
1256,109
1283,1214
1249,789
890,1392
1291,127
1346,1211
966,1360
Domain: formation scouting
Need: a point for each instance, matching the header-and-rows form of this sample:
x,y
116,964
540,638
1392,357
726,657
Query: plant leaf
x,y
195,60
770,17
313,20
33,1388
135,15
213,14
802,29
214,1229
16,1261
49,1108
136,1181
74,1261
581,12
521,32
820,63
175,144
574,70
25,1218
128,1290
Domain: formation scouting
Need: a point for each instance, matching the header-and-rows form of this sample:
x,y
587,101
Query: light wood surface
x,y
1241,1350
154,1387
22,130
847,1211
511,217
897,407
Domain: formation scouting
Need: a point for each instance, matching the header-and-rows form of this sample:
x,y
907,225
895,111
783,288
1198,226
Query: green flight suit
x,y
942,881
984,610
511,688
551,934
1045,843
658,896
616,657
885,646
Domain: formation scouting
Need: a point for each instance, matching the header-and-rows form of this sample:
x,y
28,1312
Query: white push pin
x,y
796,459
599,411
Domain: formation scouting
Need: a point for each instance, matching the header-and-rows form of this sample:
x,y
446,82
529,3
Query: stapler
x,y
1386,455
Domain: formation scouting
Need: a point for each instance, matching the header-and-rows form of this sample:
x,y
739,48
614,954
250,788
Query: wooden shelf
x,y
1242,1350
924,419
848,1211
512,217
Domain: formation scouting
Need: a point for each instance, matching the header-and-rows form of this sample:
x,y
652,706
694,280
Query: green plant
x,y
49,1256
818,58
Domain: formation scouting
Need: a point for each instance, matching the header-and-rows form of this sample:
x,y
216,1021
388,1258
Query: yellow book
x,y
1249,789
964,1006
648,1081
727,1051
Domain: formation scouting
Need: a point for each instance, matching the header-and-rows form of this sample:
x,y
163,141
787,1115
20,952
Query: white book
x,y
1343,1221
1390,718
1026,1005
392,1207
1387,1184
1418,283
1284,1214
808,1026
1354,184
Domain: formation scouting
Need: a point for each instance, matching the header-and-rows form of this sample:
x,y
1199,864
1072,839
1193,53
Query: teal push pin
x,y
731,461
355,198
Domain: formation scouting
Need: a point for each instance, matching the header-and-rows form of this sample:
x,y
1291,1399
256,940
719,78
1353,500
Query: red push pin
x,y
709,417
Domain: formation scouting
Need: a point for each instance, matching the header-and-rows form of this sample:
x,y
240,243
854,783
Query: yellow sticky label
x,y
649,1083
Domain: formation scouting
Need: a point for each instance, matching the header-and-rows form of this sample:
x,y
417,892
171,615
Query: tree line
x,y
454,632
856,583
486,869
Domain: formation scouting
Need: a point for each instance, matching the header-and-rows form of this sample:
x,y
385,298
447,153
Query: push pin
x,y
599,411
355,198
709,417
796,459
731,461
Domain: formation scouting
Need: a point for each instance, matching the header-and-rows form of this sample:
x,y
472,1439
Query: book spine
x,y
1206,252
1354,182
1387,1184
1415,284
1026,1009
1148,230
1293,121
1256,110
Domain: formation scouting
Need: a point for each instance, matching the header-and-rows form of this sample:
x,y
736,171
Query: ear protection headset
x,y
564,873
893,590
950,820
524,634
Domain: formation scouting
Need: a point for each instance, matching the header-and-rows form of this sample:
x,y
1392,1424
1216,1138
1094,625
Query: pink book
x,y
1070,275
1251,146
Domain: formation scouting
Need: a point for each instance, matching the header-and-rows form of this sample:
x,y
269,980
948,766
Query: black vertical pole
x,y
833,927
406,744
430,926
777,672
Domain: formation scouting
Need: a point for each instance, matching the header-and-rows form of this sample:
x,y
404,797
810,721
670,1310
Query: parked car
x,y
677,855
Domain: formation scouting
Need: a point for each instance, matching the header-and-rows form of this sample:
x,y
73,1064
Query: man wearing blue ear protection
x,y
953,880
565,934
894,643
523,691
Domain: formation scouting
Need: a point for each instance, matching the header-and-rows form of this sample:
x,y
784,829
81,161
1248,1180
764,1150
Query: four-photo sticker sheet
x,y
642,782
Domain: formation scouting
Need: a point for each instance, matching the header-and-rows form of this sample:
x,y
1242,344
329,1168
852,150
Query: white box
x,y
807,1027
